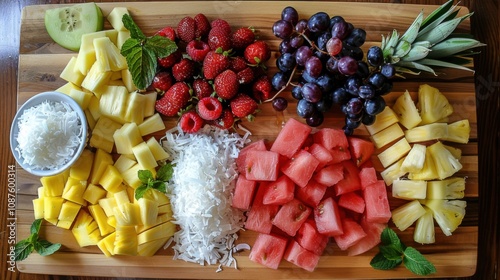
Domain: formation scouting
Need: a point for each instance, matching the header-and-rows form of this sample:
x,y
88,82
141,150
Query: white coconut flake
x,y
200,192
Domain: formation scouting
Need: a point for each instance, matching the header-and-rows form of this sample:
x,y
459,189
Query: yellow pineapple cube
x,y
415,159
121,197
126,138
52,207
126,75
387,136
70,74
394,152
96,78
107,244
86,55
115,18
115,76
148,210
158,151
144,156
450,188
112,221
69,211
39,208
113,103
427,132
392,172
406,111
101,219
85,60
74,190
428,171
85,230
102,135
93,193
101,161
149,107
157,196
90,119
165,209
125,241
108,55
458,132
135,108
130,176
424,228
152,124
447,213
446,164
433,104
108,204
40,192
163,218
80,170
409,189
127,214
53,185
123,163
148,249
165,230
405,215
81,97
111,179
67,87
94,108
383,120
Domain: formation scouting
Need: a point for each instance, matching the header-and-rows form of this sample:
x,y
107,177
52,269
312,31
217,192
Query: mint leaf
x,y
391,252
22,250
129,46
161,46
165,173
140,191
389,237
142,64
160,186
45,248
35,226
135,31
382,263
145,176
417,263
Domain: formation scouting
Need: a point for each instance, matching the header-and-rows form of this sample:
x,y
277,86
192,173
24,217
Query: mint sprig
x,y
142,53
23,248
393,252
149,182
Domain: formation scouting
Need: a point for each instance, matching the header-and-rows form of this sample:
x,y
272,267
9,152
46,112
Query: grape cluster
x,y
322,59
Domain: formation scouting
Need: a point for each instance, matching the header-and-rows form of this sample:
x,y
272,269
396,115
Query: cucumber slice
x,y
66,25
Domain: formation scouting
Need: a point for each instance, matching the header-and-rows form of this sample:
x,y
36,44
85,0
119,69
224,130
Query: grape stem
x,y
313,45
282,88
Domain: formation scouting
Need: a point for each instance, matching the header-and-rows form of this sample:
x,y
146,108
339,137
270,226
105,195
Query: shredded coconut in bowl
x,y
200,193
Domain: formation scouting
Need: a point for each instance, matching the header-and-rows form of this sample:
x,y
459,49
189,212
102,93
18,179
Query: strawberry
x,y
197,50
168,32
222,24
243,106
262,88
257,52
186,29
170,60
218,38
209,108
191,122
225,121
202,26
226,84
202,88
242,37
238,63
214,63
245,76
183,70
162,81
176,97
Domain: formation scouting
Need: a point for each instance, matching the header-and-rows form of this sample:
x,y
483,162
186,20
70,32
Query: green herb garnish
x,y
149,182
393,252
142,52
24,247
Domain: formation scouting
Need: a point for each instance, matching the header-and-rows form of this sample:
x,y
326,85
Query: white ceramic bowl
x,y
33,101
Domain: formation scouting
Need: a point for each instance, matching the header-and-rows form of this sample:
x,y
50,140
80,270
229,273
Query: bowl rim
x,y
33,101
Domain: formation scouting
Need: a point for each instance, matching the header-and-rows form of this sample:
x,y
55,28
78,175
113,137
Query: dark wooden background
x,y
484,27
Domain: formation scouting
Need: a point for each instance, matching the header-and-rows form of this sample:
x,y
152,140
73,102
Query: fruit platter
x,y
315,177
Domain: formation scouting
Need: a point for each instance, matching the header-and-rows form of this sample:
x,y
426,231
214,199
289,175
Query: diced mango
x,y
93,193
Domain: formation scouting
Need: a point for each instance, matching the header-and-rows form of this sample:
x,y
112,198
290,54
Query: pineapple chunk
x,y
428,171
144,156
113,103
393,172
94,108
69,211
152,124
456,152
115,18
148,210
433,104
387,136
81,97
149,107
165,209
40,192
108,204
125,241
107,244
158,151
148,249
53,185
451,188
383,120
85,230
424,228
126,75
108,55
394,152
93,193
112,221
115,76
446,164
157,196
405,215
123,163
130,176
427,132
80,170
74,190
409,189
95,79
101,219
52,207
406,111
447,213
67,87
86,55
127,137
414,161
165,230
121,197
39,208
127,214
70,74
135,108
101,161
458,132
102,135
90,119
111,180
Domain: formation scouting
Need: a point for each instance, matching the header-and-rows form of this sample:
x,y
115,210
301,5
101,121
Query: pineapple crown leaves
x,y
163,175
24,247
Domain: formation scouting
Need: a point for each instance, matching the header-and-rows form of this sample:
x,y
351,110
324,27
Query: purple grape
x,y
316,119
356,38
347,130
297,41
334,20
280,104
374,56
354,106
347,65
366,92
332,65
279,80
322,40
305,109
301,27
375,105
363,69
325,82
318,22
368,119
352,85
334,46
290,14
340,96
311,92
354,52
351,123
286,62
302,55
282,29
286,47
377,80
324,105
314,66
340,30
385,89
297,92
388,70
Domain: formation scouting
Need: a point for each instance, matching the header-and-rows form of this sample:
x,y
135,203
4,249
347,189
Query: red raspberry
x,y
221,23
226,84
202,88
168,32
170,60
183,70
238,63
214,63
245,76
202,26
225,121
262,88
209,108
162,81
197,50
242,37
218,38
191,122
257,52
243,106
186,29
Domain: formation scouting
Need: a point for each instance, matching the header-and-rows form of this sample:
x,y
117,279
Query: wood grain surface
x,y
31,63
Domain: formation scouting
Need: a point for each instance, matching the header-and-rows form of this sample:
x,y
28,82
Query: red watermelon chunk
x,y
278,192
301,257
367,176
361,149
268,250
310,239
291,138
351,180
353,233
330,138
311,194
376,203
260,218
261,165
372,238
340,154
240,161
321,154
300,168
327,218
243,193
352,201
330,175
291,216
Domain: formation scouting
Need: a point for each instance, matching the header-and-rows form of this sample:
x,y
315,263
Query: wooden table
x,y
487,82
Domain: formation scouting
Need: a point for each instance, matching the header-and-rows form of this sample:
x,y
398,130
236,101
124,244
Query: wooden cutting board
x,y
41,61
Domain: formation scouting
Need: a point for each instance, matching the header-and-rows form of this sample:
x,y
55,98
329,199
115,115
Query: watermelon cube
x,y
260,218
301,257
240,161
291,138
291,216
310,239
351,180
330,175
268,250
327,218
376,203
321,154
300,168
352,201
353,233
330,138
372,238
367,176
261,165
340,154
279,192
361,150
243,193
311,194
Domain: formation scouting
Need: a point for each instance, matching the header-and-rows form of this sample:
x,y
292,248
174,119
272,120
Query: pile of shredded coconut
x,y
49,135
200,193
